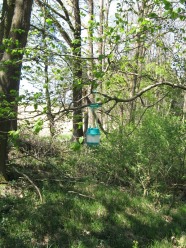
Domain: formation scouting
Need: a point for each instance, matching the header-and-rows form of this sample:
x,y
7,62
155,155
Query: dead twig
x,y
32,183
86,196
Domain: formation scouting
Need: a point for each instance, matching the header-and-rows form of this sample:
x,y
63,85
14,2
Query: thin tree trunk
x,y
4,127
90,121
77,75
101,23
184,107
50,116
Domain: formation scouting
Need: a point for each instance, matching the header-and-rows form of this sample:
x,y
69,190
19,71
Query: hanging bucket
x,y
93,136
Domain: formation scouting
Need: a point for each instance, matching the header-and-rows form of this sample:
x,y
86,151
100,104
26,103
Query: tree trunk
x,y
77,75
50,115
184,107
3,148
90,121
101,20
72,36
14,29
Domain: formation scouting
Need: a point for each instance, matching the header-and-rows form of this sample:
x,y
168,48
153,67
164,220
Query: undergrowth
x,y
77,210
128,192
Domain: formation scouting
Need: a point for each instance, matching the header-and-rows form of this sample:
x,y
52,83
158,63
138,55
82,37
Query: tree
x,y
71,33
72,36
14,27
46,69
142,59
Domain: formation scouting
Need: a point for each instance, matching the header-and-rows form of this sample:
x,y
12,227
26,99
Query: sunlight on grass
x,y
95,209
120,219
84,205
88,215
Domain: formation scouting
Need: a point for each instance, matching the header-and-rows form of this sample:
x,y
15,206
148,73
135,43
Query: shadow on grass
x,y
80,213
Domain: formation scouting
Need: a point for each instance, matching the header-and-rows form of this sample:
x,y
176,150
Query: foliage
x,y
150,159
118,194
79,208
114,195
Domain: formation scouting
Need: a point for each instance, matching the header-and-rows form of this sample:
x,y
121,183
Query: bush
x,y
150,159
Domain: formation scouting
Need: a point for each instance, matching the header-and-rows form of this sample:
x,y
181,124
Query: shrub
x,y
150,159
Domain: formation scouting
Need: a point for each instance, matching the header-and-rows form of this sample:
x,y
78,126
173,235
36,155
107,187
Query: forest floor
x,y
46,205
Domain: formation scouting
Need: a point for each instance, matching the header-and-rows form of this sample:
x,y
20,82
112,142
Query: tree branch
x,y
59,26
67,19
33,184
140,93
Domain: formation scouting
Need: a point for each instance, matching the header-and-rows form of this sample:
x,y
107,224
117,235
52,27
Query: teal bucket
x,y
93,136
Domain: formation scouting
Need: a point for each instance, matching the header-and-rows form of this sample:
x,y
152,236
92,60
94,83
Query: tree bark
x,y
77,74
184,107
90,118
14,30
50,115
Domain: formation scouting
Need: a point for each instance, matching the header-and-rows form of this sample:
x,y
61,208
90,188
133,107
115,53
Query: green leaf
x,y
152,15
167,4
81,139
38,126
75,146
80,124
101,56
35,106
14,134
98,74
49,21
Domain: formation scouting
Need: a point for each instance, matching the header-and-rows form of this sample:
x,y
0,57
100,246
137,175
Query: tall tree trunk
x,y
90,118
101,23
14,29
138,62
50,115
77,74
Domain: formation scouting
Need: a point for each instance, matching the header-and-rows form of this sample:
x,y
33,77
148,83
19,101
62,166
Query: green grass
x,y
79,209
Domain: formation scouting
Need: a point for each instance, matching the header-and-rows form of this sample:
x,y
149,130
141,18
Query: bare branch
x,y
33,184
140,93
57,23
67,19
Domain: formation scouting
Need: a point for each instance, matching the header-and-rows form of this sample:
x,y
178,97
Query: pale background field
x,y
27,114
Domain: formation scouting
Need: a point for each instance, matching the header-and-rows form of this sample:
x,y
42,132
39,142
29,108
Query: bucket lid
x,y
95,105
93,131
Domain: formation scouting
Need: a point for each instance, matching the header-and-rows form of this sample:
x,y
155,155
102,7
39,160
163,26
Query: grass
x,y
78,210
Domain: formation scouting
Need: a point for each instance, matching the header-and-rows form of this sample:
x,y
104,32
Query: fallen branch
x,y
86,196
33,184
